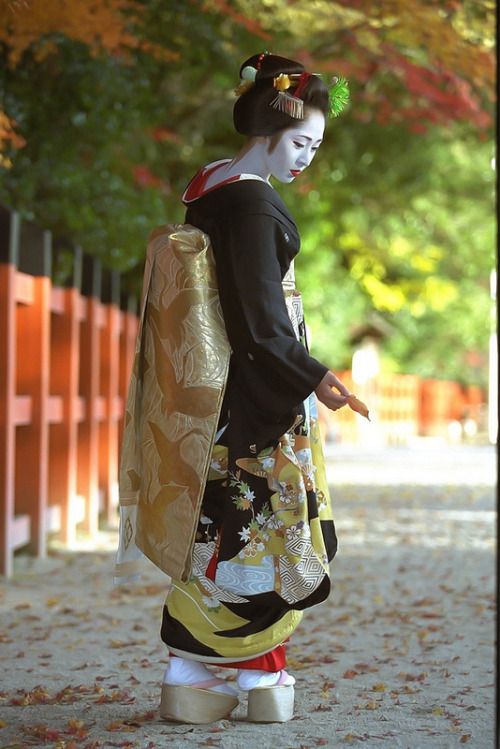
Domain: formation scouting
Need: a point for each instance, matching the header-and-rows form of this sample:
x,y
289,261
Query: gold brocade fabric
x,y
175,396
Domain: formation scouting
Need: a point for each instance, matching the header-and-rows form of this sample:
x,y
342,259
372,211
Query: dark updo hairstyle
x,y
253,113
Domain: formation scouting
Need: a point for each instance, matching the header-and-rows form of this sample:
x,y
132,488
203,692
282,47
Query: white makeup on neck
x,y
283,156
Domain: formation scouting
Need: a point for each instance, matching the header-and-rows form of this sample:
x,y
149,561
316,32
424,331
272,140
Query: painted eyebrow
x,y
301,135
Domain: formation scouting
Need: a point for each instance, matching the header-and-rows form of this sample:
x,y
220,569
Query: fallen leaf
x,y
42,731
119,725
414,677
365,668
356,405
350,674
327,659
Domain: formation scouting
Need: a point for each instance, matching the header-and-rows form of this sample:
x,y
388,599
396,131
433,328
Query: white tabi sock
x,y
183,672
252,679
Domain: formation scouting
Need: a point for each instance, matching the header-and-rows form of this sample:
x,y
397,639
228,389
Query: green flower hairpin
x,y
338,95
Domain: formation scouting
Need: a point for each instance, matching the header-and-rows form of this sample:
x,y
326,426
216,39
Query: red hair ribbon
x,y
304,77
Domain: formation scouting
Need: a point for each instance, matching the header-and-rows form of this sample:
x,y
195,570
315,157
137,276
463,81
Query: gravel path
x,y
401,655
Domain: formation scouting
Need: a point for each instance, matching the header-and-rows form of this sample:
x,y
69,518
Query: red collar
x,y
196,187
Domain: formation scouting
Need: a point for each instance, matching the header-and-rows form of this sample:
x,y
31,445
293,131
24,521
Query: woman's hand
x,y
326,395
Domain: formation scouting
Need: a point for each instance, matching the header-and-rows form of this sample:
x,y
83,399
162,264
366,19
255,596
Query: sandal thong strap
x,y
282,679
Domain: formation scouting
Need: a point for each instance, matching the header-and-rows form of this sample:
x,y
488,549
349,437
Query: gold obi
x,y
175,396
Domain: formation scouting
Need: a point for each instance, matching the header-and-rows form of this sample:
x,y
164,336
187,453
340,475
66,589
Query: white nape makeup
x,y
283,156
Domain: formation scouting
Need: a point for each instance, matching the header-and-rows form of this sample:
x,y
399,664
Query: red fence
x,y
66,354
403,407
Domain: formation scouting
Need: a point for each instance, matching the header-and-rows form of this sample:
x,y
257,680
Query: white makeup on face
x,y
296,147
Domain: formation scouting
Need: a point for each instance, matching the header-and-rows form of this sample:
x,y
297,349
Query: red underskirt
x,y
272,662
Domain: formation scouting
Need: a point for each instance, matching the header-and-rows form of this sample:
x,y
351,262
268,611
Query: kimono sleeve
x,y
252,257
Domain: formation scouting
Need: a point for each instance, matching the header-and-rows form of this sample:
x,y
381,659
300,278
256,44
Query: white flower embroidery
x,y
244,534
286,492
210,603
275,523
268,463
293,532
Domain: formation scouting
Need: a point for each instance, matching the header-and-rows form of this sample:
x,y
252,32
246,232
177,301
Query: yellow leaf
x,y
74,723
358,406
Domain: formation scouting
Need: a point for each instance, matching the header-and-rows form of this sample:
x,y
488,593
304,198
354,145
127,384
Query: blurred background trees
x,y
108,108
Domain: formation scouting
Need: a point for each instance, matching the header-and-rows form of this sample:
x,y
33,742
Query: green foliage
x,y
404,226
393,221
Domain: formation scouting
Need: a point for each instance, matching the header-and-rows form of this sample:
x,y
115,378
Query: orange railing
x,y
66,354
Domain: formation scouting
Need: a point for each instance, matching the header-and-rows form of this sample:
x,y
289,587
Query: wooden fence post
x,y
66,307
13,532
33,373
110,381
88,432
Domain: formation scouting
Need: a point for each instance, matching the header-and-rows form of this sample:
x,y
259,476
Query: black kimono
x,y
266,534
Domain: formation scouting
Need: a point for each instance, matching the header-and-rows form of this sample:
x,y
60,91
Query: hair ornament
x,y
243,87
249,73
302,82
261,57
287,102
338,95
282,82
